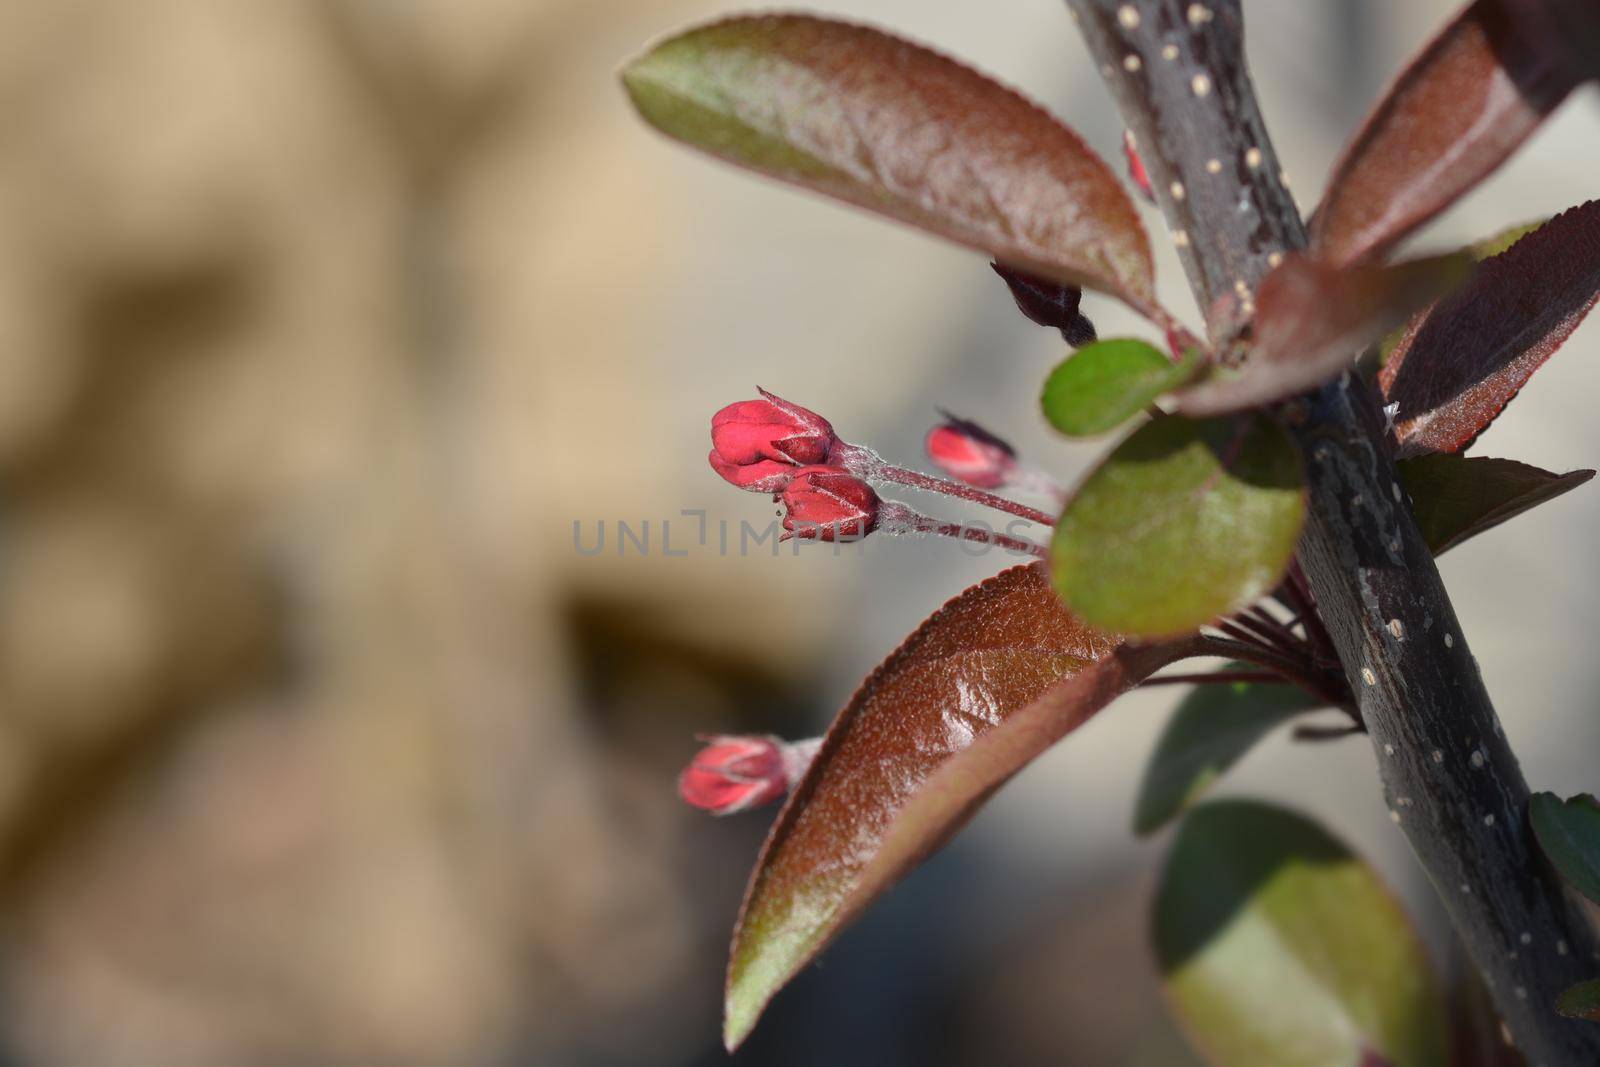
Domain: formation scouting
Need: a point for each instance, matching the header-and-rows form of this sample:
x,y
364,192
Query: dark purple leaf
x,y
1456,113
1313,321
1459,364
1456,498
976,692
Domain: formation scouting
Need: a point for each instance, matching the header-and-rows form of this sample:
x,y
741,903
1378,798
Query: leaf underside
x,y
1313,320
979,689
1456,497
1569,833
895,128
1464,105
1210,731
1462,361
1184,521
1279,948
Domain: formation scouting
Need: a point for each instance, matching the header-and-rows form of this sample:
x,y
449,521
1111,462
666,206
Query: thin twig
x,y
1214,678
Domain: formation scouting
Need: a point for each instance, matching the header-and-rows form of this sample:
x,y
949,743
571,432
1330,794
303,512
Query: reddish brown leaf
x,y
898,129
1313,321
1455,114
1459,364
979,689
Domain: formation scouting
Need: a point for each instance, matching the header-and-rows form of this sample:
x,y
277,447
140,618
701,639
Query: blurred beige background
x,y
322,322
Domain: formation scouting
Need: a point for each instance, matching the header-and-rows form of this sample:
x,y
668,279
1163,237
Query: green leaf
x,y
1456,497
1104,384
977,691
903,131
1569,833
1314,319
1582,1001
1490,247
1281,949
1210,731
1184,521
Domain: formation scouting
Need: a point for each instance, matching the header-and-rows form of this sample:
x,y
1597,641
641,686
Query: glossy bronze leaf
x,y
1458,365
1313,321
895,128
979,689
1455,114
1457,497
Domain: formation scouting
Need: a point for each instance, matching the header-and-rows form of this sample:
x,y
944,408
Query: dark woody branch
x,y
1453,785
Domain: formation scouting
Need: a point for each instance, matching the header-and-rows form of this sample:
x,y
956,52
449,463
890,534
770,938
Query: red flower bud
x,y
763,476
757,443
969,453
1136,171
734,773
828,504
1048,304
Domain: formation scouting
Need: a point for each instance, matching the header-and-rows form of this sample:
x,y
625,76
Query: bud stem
x,y
865,463
894,517
1027,479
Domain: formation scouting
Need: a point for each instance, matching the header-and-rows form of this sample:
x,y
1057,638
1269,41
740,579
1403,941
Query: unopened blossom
x,y
828,504
759,444
969,453
736,772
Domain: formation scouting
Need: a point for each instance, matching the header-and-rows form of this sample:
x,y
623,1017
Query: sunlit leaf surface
x,y
979,689
895,128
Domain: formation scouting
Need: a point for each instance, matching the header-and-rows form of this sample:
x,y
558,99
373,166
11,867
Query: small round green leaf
x,y
1104,384
1210,731
1279,948
1569,833
1582,1001
1184,521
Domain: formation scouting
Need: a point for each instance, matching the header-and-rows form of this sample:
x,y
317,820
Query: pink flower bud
x,y
733,773
1048,304
756,444
969,453
1136,171
827,504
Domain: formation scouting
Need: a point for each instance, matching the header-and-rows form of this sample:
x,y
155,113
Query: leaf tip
x,y
747,998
